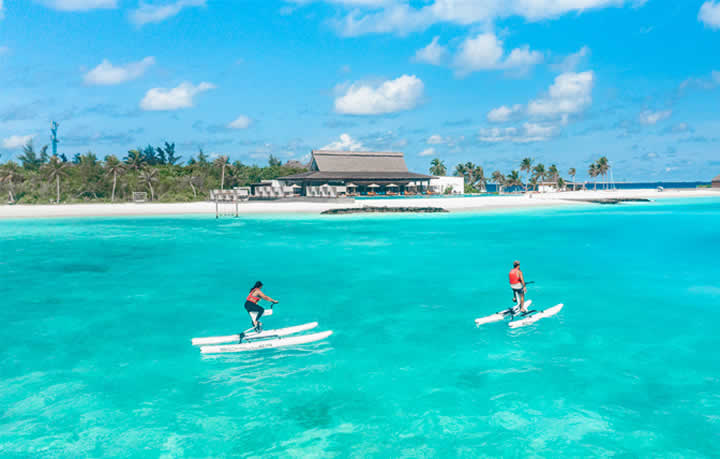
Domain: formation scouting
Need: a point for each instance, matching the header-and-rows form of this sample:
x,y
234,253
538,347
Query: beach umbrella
x,y
410,185
391,185
295,185
373,185
351,185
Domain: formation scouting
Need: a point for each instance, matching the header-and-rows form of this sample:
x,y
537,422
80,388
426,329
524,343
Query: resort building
x,y
716,182
339,173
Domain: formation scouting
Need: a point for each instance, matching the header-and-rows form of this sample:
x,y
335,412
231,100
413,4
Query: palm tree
x,y
571,173
221,162
539,173
603,167
55,169
134,159
526,166
113,167
560,183
499,179
553,172
460,171
437,167
513,179
593,173
32,160
9,173
478,176
149,176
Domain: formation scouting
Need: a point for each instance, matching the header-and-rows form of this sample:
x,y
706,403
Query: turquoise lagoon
x,y
97,316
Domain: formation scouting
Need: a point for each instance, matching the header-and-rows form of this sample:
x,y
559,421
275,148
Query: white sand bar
x,y
470,203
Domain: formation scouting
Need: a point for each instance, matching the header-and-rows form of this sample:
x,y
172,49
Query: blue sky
x,y
562,81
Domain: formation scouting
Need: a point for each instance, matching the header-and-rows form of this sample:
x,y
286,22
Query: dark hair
x,y
258,284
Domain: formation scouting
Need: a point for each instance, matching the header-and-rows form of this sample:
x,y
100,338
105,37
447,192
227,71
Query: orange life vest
x,y
515,276
251,298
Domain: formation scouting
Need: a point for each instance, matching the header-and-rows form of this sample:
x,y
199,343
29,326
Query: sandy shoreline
x,y
474,203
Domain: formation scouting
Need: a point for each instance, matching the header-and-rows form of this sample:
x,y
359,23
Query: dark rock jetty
x,y
613,200
375,210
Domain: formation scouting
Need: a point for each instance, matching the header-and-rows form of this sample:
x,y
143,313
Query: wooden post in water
x,y
217,215
235,198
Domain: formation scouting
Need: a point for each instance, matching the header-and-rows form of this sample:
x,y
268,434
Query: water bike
x,y
253,339
518,318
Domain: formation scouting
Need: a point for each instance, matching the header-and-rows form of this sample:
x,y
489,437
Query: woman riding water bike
x,y
253,308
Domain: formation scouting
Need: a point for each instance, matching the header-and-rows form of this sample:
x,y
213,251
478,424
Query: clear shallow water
x,y
97,316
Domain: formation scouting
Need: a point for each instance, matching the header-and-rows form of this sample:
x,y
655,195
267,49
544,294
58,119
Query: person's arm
x,y
265,297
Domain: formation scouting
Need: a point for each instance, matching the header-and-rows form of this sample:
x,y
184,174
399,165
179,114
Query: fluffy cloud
x,y
485,52
503,113
149,13
174,98
435,140
710,14
241,122
570,94
649,117
530,132
427,152
108,74
79,5
345,143
402,18
432,54
16,141
396,95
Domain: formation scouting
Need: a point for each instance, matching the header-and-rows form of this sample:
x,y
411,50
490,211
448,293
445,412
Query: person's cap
x,y
516,263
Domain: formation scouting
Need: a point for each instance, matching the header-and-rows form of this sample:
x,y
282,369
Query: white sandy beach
x,y
453,204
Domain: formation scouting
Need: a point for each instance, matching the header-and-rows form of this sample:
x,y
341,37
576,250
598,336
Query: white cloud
x,y
710,14
17,141
345,143
427,152
396,95
649,117
173,99
570,94
571,62
150,13
241,122
402,18
435,140
485,52
503,113
108,74
432,54
80,5
530,132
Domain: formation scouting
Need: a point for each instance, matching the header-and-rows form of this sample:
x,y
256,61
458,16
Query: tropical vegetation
x,y
534,175
38,177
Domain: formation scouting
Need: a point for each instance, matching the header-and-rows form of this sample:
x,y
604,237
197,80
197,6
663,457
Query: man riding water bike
x,y
252,306
517,284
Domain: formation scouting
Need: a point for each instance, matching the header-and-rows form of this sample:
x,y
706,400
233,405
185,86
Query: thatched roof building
x,y
360,168
716,182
